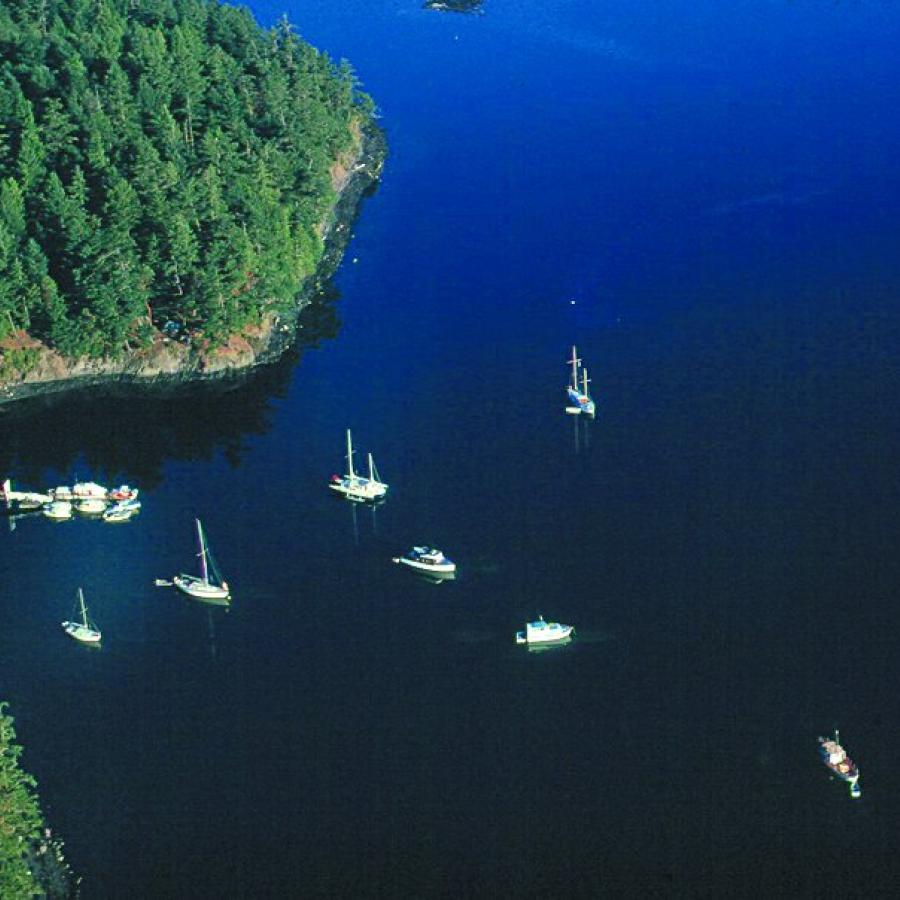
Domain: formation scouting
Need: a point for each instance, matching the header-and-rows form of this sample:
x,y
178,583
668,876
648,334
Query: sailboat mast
x,y
202,543
350,471
574,362
371,468
585,381
83,610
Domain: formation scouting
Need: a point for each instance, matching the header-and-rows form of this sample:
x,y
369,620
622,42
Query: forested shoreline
x,y
31,859
167,168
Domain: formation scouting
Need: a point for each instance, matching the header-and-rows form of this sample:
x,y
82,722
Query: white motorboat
x,y
89,490
209,585
58,509
541,632
577,389
118,513
91,506
83,630
427,560
357,487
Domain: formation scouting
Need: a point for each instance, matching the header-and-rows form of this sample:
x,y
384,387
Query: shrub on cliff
x,y
160,160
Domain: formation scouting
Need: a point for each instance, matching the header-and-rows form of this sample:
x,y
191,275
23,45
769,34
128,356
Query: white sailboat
x,y
85,630
358,487
577,389
209,585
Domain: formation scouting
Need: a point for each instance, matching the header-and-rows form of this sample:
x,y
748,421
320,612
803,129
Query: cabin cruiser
x,y
58,509
427,560
541,632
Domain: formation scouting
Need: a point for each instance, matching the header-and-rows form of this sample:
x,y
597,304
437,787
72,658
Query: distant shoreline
x,y
169,363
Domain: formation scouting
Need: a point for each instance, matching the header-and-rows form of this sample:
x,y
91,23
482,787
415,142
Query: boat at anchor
x,y
357,487
577,389
429,561
541,632
835,758
210,585
83,630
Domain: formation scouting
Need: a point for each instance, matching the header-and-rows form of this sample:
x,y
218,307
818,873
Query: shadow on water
x,y
130,431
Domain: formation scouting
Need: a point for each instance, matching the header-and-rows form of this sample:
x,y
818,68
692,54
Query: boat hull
x,y
81,632
200,589
445,569
360,492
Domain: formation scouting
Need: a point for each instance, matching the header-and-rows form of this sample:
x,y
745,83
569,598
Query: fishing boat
x,y
84,630
357,487
835,757
541,632
427,560
577,389
210,584
58,509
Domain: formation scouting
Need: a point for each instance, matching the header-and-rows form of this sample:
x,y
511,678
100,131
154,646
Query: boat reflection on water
x,y
549,647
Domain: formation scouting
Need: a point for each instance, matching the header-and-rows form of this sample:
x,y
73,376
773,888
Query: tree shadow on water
x,y
128,432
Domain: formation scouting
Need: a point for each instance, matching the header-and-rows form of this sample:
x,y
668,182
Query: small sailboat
x,y
209,585
358,487
835,757
541,632
429,561
84,630
577,389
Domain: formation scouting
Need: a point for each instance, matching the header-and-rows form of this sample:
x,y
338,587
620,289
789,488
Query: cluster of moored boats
x,y
87,498
432,563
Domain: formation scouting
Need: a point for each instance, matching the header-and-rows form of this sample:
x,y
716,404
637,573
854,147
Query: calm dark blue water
x,y
704,197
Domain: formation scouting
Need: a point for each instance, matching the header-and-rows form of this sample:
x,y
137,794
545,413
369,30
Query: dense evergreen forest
x,y
31,860
161,161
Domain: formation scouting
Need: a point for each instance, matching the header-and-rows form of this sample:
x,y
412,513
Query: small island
x,y
174,180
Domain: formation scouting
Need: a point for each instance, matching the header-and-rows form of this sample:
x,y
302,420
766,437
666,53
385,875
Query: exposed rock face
x,y
29,368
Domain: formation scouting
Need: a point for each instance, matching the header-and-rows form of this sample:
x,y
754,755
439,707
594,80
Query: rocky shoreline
x,y
167,363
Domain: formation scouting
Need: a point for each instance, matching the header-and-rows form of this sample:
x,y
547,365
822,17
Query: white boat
x,y
89,490
118,513
428,560
358,487
91,506
835,757
541,632
85,630
58,509
209,585
577,389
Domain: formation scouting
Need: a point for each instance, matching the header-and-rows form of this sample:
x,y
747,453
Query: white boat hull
x,y
59,509
81,632
446,568
360,491
91,507
544,633
200,589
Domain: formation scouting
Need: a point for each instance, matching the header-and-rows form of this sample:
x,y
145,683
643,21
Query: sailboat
x,y
85,630
579,399
358,487
209,585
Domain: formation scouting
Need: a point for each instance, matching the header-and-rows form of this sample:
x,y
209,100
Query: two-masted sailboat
x,y
210,585
83,630
577,389
357,487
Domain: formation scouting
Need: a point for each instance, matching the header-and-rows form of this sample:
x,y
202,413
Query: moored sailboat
x,y
577,389
357,487
209,585
83,630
